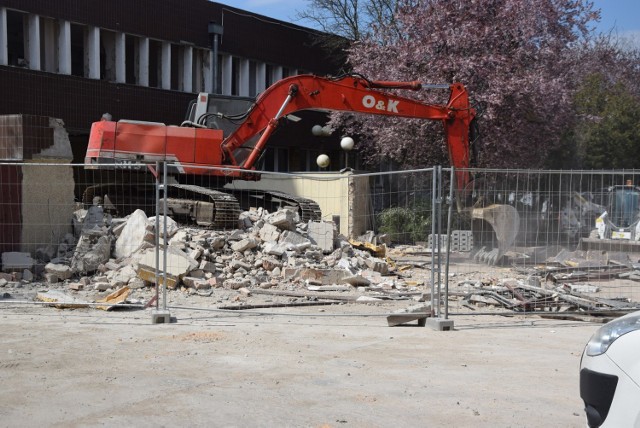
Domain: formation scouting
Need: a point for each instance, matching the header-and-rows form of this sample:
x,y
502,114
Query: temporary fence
x,y
558,243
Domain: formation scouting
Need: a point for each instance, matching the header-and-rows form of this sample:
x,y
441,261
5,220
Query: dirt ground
x,y
323,366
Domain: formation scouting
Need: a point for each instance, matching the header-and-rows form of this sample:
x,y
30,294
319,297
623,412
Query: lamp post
x,y
347,145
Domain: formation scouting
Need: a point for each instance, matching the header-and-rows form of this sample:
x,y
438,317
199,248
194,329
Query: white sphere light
x,y
323,161
316,130
347,143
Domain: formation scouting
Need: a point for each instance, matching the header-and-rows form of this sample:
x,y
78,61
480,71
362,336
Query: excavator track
x,y
207,207
272,200
191,203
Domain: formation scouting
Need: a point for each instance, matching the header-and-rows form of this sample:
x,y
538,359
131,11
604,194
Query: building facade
x,y
146,60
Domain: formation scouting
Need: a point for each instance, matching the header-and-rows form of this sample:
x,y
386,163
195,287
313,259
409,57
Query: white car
x,y
610,374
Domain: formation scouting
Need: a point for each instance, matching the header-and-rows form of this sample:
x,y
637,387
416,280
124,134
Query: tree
x,y
514,56
608,131
346,21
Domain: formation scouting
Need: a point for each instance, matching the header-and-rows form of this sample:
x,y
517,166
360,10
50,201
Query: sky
x,y
621,15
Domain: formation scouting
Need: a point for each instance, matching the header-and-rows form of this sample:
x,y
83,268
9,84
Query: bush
x,y
406,225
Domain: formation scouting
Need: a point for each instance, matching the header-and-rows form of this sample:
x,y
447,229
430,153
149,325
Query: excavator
x,y
195,145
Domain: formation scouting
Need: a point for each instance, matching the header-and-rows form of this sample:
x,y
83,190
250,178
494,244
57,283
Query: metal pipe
x,y
433,237
446,264
157,237
164,247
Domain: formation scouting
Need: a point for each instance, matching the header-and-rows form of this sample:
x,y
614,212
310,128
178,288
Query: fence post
x,y
161,316
437,323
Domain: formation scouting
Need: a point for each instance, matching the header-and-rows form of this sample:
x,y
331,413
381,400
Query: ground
x,y
324,366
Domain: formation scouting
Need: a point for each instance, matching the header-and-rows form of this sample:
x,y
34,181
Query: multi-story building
x,y
146,59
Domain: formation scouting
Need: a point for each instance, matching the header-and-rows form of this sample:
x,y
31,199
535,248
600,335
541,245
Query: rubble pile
x,y
268,250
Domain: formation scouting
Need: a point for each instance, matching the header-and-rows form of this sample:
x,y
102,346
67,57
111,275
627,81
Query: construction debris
x,y
277,261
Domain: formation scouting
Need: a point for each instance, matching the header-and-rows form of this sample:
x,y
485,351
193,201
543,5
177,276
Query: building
x,y
146,60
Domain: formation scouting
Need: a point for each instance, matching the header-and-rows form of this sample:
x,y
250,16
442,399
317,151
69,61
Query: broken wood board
x,y
60,300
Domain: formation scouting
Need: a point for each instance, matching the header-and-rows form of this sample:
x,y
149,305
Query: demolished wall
x,y
40,190
342,196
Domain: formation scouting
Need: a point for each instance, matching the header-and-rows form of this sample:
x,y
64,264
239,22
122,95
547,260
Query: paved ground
x,y
329,366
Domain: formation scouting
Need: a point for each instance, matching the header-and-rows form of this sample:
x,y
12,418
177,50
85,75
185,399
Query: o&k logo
x,y
369,101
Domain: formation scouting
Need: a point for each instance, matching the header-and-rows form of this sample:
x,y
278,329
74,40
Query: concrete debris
x,y
283,219
276,255
62,272
133,235
322,234
16,261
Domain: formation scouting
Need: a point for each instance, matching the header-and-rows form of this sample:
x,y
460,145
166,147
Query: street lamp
x,y
347,145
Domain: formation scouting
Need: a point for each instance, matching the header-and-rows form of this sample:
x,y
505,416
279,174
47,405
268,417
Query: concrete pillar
x,y
165,66
50,51
198,84
4,47
243,78
120,57
92,53
227,74
32,41
142,63
207,71
64,47
276,73
187,69
261,77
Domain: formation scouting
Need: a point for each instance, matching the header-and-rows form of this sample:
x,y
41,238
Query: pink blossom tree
x,y
514,56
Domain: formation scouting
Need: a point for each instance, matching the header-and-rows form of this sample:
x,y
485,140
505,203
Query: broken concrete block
x,y
3,282
89,256
93,220
292,239
197,283
377,265
76,286
133,234
178,265
236,283
239,264
61,271
322,234
123,276
172,226
101,286
207,266
283,219
16,261
274,249
269,263
244,244
27,275
51,278
412,313
217,242
269,233
136,283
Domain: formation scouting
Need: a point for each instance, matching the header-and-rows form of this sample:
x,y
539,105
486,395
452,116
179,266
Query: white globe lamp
x,y
323,161
347,143
316,130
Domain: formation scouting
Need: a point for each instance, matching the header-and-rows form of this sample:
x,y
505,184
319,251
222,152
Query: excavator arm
x,y
351,94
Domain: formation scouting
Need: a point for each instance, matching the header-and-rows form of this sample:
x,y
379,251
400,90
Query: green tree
x,y
608,126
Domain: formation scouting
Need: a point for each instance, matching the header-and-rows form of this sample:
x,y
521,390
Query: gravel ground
x,y
325,366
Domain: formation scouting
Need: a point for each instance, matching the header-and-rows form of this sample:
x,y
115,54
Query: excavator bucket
x,y
493,243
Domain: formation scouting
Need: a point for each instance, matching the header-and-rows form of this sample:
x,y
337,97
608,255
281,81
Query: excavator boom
x,y
351,94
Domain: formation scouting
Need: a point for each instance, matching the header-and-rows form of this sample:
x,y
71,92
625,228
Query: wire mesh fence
x,y
553,242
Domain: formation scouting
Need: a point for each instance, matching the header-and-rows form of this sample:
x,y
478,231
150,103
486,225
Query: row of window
x,y
235,76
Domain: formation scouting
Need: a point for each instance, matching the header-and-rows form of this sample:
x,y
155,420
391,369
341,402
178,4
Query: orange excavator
x,y
194,145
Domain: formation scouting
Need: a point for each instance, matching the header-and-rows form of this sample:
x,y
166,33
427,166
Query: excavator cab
x,y
617,228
